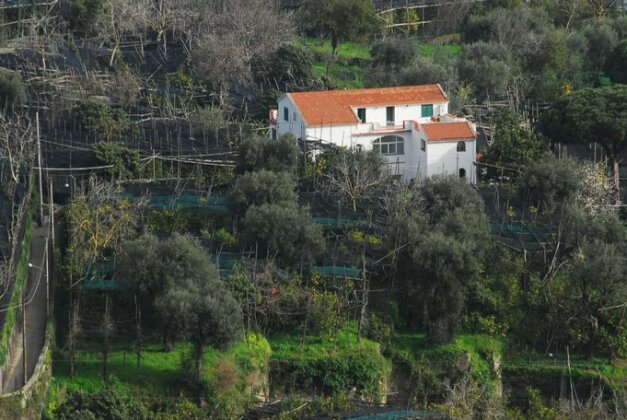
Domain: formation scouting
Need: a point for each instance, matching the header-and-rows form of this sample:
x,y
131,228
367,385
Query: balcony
x,y
369,129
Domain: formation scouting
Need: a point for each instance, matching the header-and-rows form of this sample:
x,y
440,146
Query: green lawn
x,y
288,347
158,375
345,49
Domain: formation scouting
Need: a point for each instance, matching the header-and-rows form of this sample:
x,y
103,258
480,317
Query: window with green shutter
x,y
361,114
427,110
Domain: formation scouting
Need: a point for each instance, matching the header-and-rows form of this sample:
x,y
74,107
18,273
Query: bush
x,y
99,118
393,52
106,404
486,67
260,153
331,365
257,188
233,379
549,182
126,162
81,15
12,92
286,232
290,63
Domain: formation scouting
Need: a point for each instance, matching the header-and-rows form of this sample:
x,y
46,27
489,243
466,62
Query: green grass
x,y
342,76
614,374
6,332
429,50
158,374
416,344
345,49
413,347
288,347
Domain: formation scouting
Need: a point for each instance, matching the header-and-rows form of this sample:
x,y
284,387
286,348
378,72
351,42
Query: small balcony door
x,y
389,111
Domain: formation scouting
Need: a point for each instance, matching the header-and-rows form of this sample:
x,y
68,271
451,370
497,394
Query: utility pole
x,y
41,192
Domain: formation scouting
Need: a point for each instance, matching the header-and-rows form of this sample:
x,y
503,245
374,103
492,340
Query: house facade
x,y
409,125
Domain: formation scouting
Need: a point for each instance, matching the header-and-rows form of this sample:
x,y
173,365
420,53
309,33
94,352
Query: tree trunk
x,y
114,53
198,360
138,315
334,46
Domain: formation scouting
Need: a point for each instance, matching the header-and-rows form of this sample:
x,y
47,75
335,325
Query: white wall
x,y
341,135
294,126
444,159
378,114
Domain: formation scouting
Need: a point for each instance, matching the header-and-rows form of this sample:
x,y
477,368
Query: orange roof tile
x,y
333,107
448,131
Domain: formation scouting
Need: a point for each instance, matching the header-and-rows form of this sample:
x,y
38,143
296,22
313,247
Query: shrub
x,y
234,378
290,63
257,154
257,188
125,161
106,404
99,118
393,52
12,90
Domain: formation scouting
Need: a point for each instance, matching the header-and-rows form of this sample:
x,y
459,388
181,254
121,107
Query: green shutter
x,y
427,110
361,114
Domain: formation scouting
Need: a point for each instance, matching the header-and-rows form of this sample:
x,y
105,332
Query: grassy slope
x,y
158,376
348,71
288,347
481,348
615,374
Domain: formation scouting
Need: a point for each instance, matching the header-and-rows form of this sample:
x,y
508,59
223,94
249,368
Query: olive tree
x,y
591,115
285,232
486,67
273,155
171,275
256,188
340,20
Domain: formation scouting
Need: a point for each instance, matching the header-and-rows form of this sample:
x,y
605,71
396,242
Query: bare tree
x,y
233,33
124,18
17,153
354,173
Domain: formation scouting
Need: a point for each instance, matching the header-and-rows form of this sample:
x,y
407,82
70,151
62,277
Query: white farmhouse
x,y
409,125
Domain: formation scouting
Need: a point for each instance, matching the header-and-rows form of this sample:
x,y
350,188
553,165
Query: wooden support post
x,y
24,358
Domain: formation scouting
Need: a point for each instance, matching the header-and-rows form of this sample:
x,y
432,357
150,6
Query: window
x,y
389,111
294,117
286,114
361,114
462,173
423,145
461,146
427,110
389,145
274,134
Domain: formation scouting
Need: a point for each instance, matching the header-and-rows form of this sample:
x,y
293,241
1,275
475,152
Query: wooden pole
x,y
24,358
41,192
138,315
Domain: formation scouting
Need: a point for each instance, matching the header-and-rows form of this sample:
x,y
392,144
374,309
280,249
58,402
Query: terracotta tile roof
x,y
333,107
448,131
